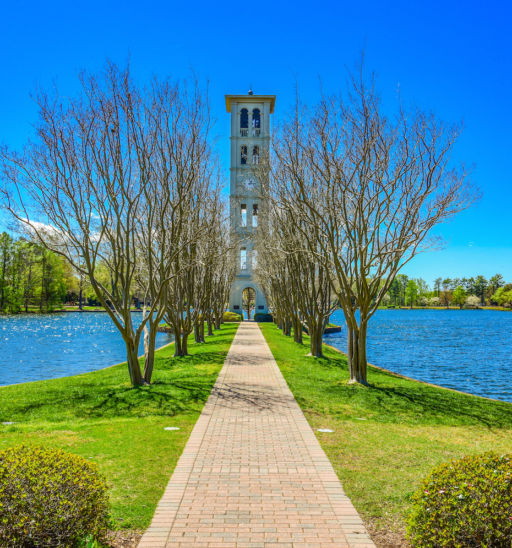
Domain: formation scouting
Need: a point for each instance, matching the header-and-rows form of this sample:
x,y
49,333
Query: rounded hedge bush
x,y
464,503
50,498
262,317
231,317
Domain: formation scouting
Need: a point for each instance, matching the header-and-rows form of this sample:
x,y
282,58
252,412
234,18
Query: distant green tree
x,y
423,288
53,286
394,292
447,284
402,284
495,282
480,287
459,296
31,273
437,286
411,293
446,295
503,296
5,260
30,276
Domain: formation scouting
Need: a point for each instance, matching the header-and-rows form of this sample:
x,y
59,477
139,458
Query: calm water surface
x,y
35,347
469,350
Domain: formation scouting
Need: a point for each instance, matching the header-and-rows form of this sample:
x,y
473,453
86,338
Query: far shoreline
x,y
414,308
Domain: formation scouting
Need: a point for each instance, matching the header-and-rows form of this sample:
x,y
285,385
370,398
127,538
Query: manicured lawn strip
x,y
388,436
101,417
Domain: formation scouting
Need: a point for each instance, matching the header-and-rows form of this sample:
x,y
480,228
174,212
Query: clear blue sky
x,y
454,58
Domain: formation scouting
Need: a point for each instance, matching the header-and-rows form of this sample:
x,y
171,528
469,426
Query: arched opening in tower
x,y
248,302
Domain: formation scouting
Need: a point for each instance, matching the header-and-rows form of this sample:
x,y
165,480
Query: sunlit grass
x,y
101,417
389,435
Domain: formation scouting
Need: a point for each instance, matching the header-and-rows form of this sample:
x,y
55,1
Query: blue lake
x,y
469,350
35,347
466,350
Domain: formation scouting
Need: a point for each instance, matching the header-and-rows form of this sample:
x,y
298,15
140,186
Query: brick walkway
x,y
253,473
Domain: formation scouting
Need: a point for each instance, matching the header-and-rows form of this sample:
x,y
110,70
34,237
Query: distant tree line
x,y
461,292
31,276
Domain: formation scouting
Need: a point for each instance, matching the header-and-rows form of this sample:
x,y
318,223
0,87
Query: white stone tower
x,y
250,136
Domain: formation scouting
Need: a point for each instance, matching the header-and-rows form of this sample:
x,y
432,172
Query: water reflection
x,y
46,346
469,350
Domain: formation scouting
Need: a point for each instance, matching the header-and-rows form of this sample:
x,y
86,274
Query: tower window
x,y
256,122
244,118
254,259
243,258
243,214
255,155
243,155
254,215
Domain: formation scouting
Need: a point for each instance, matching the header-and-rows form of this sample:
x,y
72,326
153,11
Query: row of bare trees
x,y
123,177
353,197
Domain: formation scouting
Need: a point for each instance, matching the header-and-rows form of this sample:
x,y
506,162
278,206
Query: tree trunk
x,y
210,327
177,343
315,339
287,327
197,333
184,344
133,364
218,320
350,348
149,353
297,331
358,365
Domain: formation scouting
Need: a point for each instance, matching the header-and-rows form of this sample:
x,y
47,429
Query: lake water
x,y
35,347
469,350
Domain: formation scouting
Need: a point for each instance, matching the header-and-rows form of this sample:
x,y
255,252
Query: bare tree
x,y
93,188
373,187
177,160
186,294
217,273
296,282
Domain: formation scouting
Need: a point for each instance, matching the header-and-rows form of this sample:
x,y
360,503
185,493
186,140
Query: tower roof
x,y
250,99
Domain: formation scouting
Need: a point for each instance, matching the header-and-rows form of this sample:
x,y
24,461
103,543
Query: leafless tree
x,y
296,282
99,186
373,187
180,165
187,291
217,271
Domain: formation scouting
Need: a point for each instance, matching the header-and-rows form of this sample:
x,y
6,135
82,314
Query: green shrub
x,y
464,503
261,317
50,498
231,317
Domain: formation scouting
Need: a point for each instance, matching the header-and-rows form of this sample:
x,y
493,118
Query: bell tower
x,y
250,136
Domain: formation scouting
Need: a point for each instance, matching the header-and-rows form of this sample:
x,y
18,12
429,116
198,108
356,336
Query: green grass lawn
x,y
388,436
102,418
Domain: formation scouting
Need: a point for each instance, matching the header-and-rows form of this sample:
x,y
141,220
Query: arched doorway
x,y
248,302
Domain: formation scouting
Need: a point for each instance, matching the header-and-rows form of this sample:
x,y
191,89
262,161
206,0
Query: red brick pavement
x,y
253,473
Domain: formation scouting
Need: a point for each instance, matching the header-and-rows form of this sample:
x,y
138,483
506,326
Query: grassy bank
x,y
386,437
100,417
